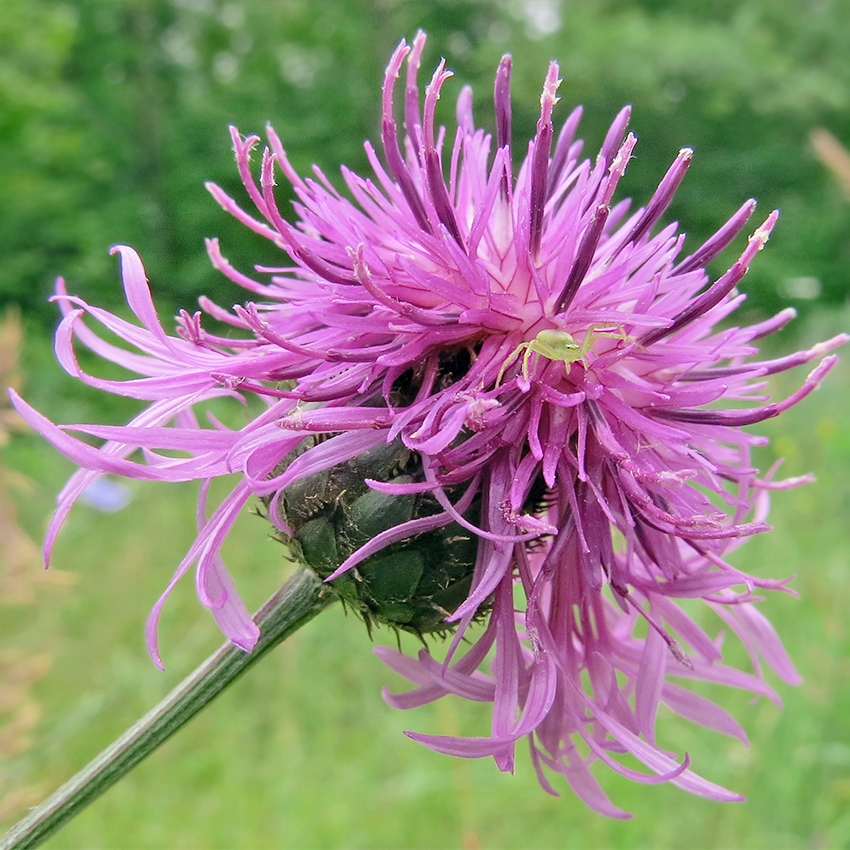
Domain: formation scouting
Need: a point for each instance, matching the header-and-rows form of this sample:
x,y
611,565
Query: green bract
x,y
413,584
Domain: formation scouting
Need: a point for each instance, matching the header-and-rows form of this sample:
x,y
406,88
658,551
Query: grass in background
x,y
303,753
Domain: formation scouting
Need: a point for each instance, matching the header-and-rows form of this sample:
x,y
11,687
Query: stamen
x,y
389,139
584,257
738,418
663,195
540,159
502,98
719,290
433,167
412,119
719,241
614,136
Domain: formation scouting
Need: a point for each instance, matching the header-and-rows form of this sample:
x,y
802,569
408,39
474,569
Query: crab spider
x,y
554,344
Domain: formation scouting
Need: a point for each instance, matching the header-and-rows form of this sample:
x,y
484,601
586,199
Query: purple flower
x,y
543,353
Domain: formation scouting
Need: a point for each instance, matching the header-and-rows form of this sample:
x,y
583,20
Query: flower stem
x,y
296,603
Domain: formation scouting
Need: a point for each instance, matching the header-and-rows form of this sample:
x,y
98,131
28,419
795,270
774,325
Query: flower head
x,y
527,365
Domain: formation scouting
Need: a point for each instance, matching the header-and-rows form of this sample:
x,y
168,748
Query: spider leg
x,y
511,357
525,358
592,335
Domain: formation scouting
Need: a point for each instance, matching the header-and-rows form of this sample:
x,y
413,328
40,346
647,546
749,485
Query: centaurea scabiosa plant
x,y
489,409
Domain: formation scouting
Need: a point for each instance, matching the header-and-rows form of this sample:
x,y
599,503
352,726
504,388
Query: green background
x,y
112,115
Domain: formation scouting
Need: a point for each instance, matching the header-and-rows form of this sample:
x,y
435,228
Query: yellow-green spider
x,y
560,345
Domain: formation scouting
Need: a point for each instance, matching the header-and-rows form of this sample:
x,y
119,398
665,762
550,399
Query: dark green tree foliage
x,y
113,114
743,83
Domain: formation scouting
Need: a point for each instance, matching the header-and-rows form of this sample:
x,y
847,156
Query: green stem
x,y
296,603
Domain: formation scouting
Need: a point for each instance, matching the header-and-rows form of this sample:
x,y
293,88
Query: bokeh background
x,y
112,116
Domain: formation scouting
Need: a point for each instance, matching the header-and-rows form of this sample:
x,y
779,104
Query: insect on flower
x,y
554,344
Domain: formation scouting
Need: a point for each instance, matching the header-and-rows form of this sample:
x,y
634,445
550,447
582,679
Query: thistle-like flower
x,y
488,396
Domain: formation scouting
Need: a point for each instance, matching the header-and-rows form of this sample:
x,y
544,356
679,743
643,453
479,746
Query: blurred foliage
x,y
23,661
113,113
